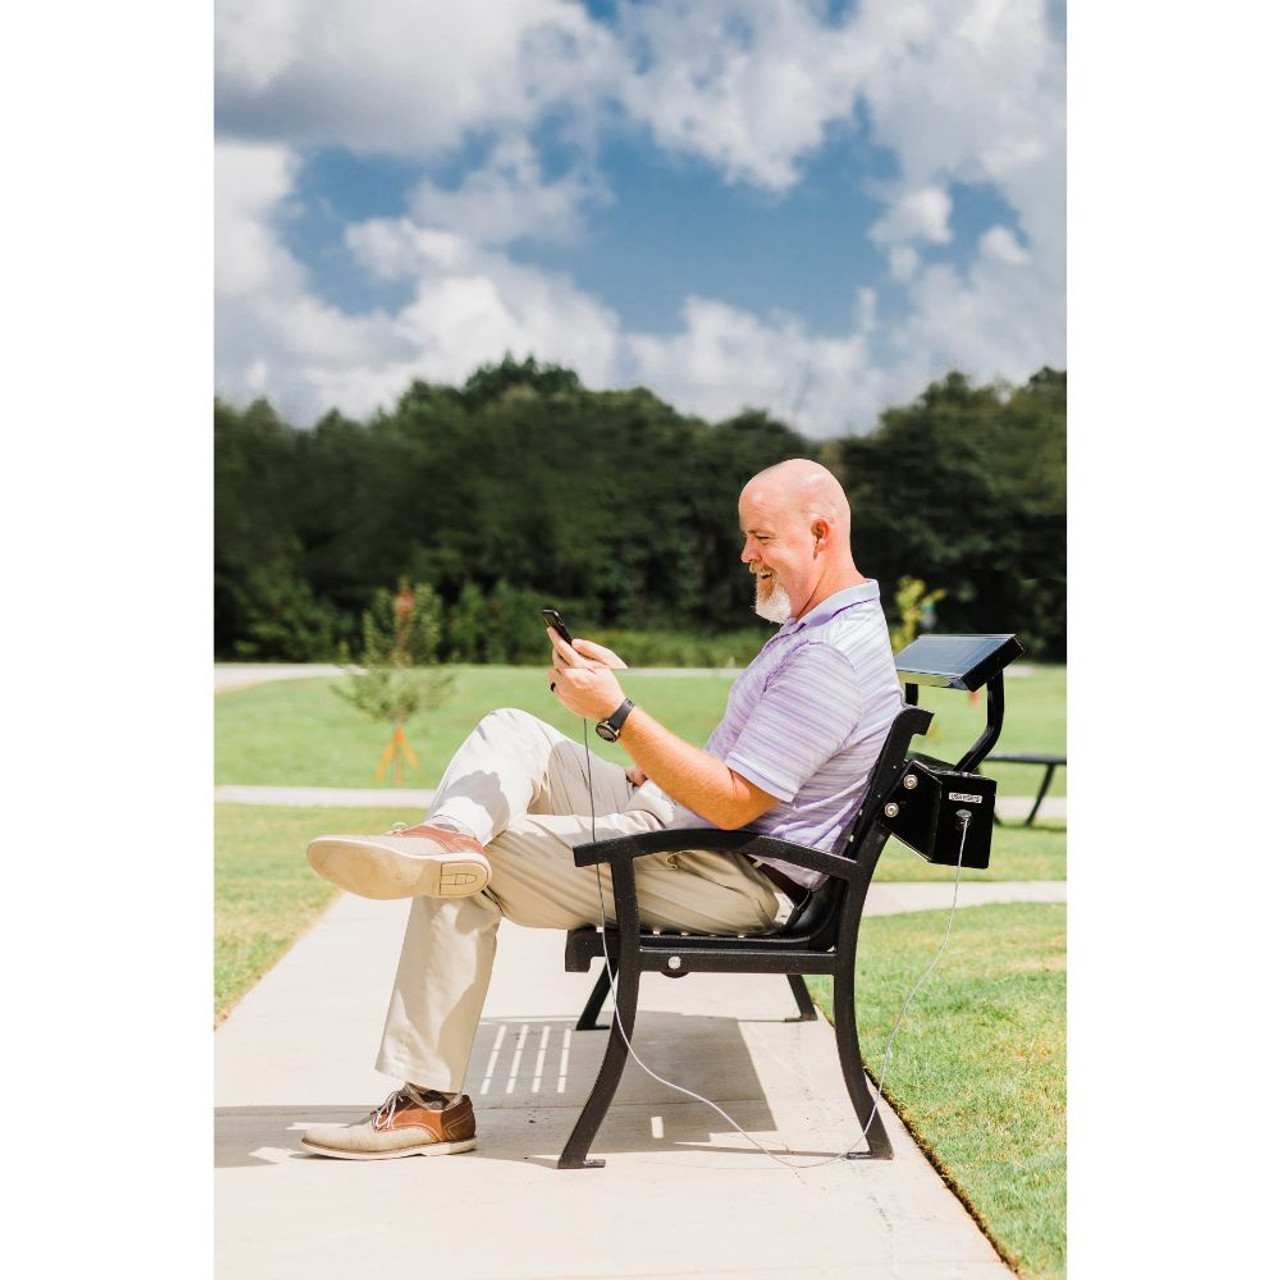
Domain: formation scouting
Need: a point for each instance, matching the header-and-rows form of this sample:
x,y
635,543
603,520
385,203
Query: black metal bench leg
x,y
855,1078
803,999
1040,795
589,1020
574,1155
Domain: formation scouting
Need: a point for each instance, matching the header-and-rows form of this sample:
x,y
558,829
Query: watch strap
x,y
611,726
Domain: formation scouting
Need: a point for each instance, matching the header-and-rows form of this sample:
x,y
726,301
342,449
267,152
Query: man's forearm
x,y
690,775
584,683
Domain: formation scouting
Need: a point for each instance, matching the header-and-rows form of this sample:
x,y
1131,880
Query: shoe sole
x,y
427,1149
375,871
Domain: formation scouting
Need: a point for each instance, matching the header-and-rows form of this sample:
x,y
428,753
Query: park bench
x,y
1050,764
918,800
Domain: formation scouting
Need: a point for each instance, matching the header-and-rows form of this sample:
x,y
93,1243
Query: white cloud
x,y
255,41
1001,245
507,199
725,359
903,262
251,183
271,334
749,87
987,322
969,91
915,215
401,76
976,95
397,250
991,323
961,91
470,305
463,317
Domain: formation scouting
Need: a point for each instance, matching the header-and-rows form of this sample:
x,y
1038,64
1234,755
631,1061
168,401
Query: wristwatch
x,y
610,728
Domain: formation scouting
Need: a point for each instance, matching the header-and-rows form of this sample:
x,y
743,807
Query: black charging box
x,y
925,813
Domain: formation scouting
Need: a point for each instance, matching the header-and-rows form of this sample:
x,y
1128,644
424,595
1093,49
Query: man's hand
x,y
598,653
581,678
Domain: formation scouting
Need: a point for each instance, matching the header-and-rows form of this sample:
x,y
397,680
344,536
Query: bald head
x,y
805,488
795,527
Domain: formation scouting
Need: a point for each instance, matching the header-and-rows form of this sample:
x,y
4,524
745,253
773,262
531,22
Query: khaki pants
x,y
522,788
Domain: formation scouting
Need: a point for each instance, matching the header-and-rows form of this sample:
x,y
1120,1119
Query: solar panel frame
x,y
957,662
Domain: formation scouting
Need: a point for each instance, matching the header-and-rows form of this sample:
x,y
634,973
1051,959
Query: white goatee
x,y
777,608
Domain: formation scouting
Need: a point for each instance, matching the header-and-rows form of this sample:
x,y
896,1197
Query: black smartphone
x,y
553,619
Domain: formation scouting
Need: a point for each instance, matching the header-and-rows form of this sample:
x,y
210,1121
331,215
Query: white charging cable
x,y
964,817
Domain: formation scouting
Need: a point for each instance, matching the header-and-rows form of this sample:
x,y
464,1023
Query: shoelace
x,y
397,828
384,1114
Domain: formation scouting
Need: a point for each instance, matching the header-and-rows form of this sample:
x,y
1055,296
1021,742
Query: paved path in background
x,y
1010,808
682,1194
240,676
235,675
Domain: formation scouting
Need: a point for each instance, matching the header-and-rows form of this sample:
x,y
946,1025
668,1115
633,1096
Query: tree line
x,y
523,487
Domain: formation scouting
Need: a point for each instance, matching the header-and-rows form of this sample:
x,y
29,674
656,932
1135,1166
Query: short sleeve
x,y
807,712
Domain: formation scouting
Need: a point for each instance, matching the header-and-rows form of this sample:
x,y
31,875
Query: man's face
x,y
778,549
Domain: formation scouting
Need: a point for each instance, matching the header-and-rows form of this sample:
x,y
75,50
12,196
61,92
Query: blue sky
x,y
810,208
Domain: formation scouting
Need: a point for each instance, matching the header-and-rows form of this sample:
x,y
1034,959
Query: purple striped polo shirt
x,y
806,720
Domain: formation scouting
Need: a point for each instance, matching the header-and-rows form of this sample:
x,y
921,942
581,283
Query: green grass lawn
x,y
265,893
299,733
1017,853
978,1071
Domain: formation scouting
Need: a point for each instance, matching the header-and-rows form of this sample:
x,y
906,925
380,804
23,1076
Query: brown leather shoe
x,y
411,1122
407,862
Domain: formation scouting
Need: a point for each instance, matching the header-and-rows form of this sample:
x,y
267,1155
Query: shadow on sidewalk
x,y
528,1079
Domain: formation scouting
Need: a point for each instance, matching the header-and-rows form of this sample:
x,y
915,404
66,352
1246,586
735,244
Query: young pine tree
x,y
396,678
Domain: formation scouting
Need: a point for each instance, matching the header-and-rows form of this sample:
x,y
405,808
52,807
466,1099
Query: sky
x,y
807,206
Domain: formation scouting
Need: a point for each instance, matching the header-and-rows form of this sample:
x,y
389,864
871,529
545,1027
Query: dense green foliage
x,y
524,488
966,490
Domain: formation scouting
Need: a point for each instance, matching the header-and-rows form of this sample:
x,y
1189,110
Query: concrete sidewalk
x,y
681,1195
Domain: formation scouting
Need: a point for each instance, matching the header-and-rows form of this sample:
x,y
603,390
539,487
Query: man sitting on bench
x,y
801,732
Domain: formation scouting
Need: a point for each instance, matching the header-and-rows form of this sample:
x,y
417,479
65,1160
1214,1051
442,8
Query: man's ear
x,y
821,532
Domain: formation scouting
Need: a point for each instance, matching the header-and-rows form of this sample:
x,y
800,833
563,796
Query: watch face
x,y
610,728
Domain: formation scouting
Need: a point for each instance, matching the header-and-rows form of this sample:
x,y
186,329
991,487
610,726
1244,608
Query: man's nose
x,y
749,553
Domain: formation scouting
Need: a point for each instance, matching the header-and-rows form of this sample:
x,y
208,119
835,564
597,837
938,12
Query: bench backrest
x,y
944,661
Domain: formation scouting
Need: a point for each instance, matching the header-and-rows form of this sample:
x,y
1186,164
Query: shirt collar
x,y
834,603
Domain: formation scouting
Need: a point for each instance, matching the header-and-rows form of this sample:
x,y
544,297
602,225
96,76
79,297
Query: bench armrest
x,y
749,843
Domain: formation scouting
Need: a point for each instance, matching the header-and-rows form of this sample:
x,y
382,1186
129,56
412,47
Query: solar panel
x,y
956,662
